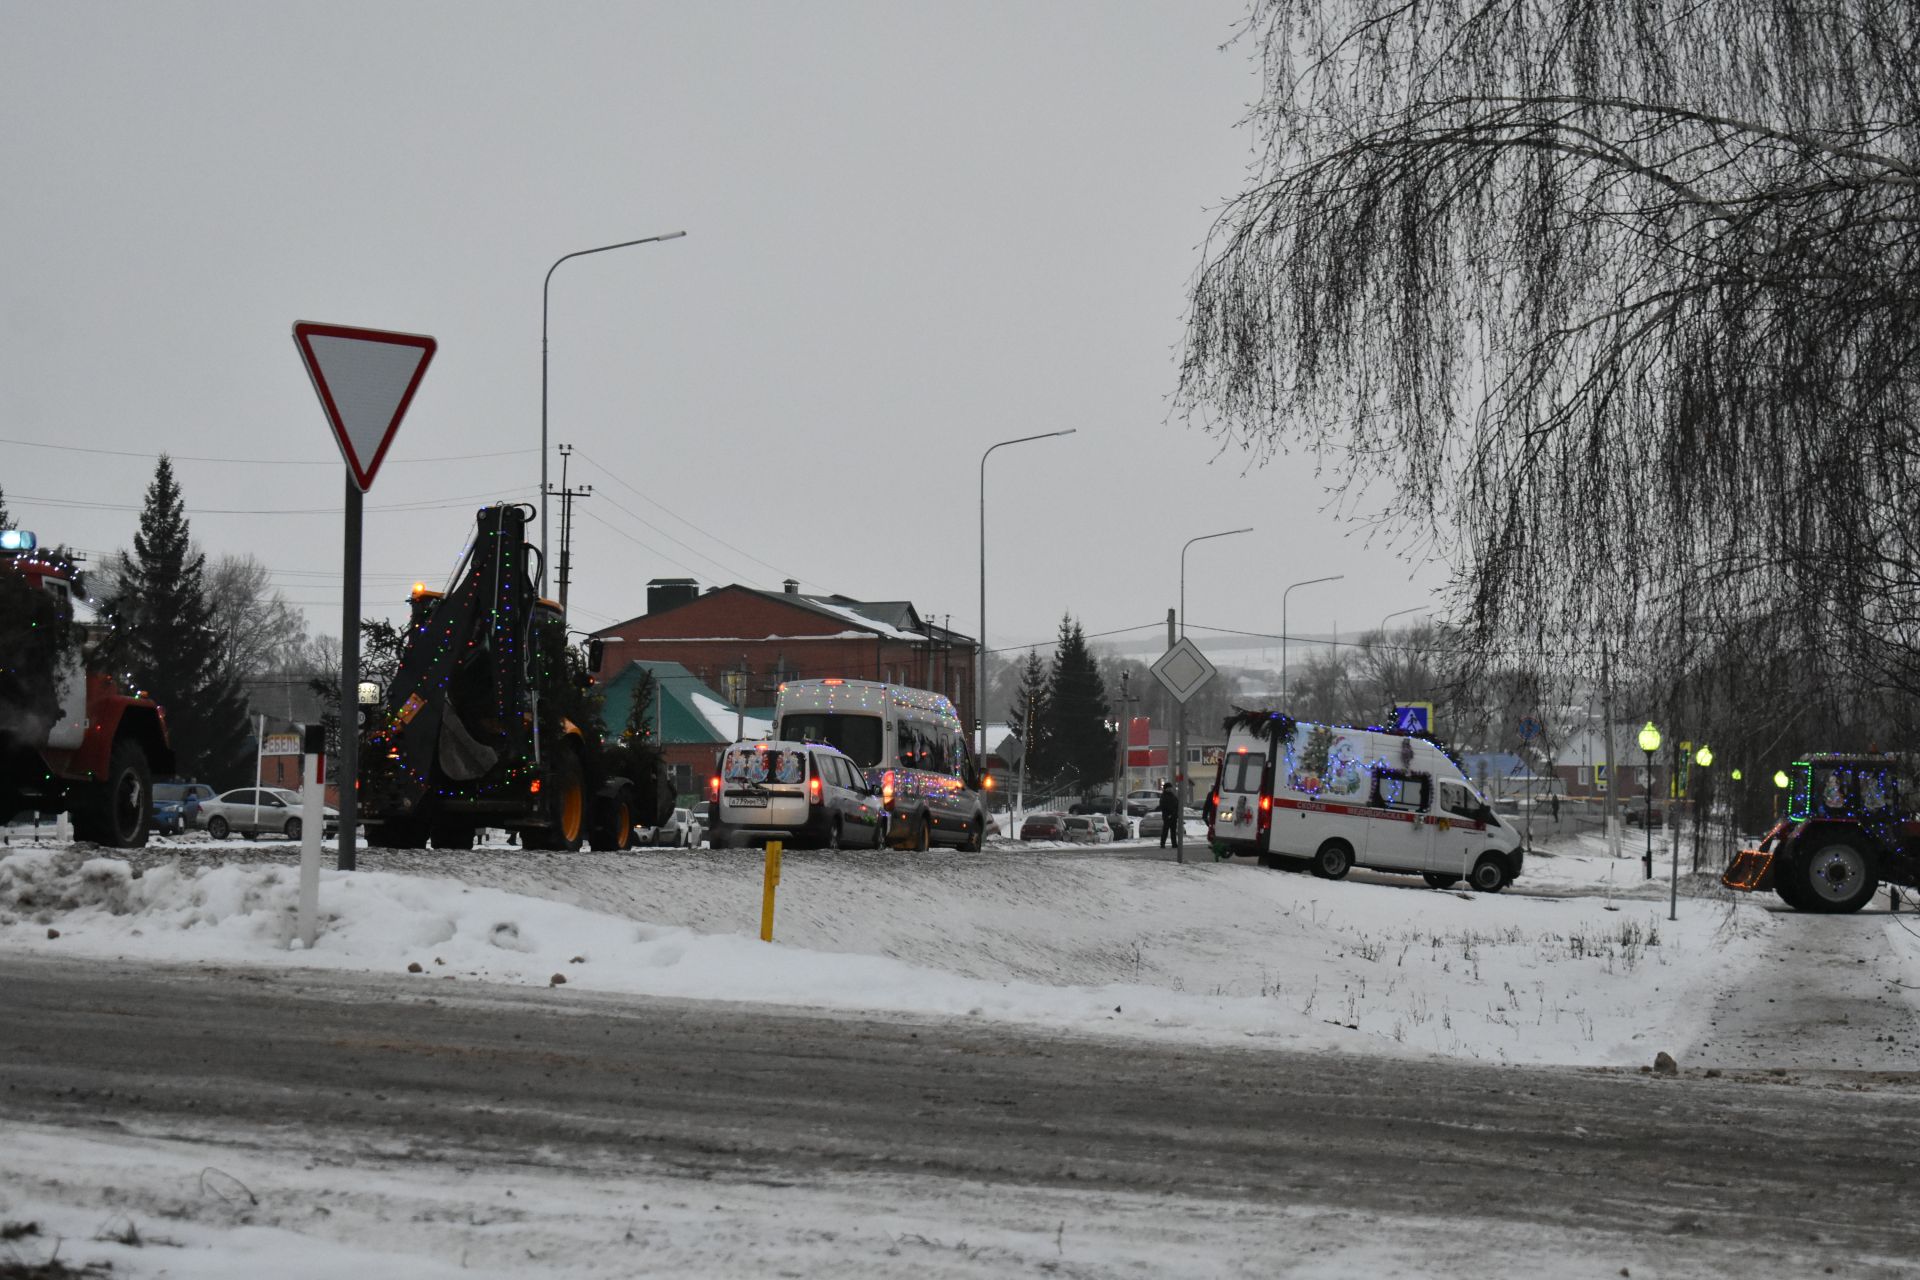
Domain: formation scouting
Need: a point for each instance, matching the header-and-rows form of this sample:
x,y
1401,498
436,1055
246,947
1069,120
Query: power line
x,y
423,504
257,462
648,498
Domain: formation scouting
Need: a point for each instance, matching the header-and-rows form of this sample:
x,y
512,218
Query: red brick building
x,y
743,641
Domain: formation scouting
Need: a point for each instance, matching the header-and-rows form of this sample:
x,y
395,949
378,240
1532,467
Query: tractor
x,y
1845,834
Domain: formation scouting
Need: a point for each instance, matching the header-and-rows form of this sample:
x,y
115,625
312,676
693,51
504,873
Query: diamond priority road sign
x,y
365,379
1183,669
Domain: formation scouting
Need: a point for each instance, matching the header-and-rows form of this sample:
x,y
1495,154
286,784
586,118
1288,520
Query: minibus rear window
x,y
858,736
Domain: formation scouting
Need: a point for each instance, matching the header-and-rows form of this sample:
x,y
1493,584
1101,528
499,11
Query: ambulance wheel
x,y
1489,875
1437,881
1839,876
1334,860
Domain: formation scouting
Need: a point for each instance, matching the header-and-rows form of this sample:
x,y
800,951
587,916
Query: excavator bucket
x,y
1750,871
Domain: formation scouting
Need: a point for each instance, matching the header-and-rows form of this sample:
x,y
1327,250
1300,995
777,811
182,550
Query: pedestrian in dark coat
x,y
1169,814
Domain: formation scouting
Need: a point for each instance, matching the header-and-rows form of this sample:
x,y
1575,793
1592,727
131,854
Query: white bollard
x,y
313,821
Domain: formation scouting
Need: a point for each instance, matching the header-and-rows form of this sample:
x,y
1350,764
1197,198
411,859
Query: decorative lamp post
x,y
1782,782
980,653
1704,758
1185,775
1649,743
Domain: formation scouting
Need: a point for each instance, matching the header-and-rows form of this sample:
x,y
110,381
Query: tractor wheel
x,y
566,805
613,833
116,811
1334,860
1789,883
1839,876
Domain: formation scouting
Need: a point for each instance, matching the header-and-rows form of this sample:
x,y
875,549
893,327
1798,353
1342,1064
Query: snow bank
x,y
1128,945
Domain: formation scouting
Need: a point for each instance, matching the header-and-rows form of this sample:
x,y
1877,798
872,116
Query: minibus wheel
x,y
1333,860
1437,881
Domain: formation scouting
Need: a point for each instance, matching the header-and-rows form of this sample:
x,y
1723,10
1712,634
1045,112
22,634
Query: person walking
x,y
1169,814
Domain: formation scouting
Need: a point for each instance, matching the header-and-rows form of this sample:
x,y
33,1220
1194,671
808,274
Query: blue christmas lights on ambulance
x,y
1332,797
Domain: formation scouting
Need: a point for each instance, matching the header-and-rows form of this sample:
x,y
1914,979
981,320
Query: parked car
x,y
1044,826
806,793
1151,825
176,805
680,831
268,810
1088,828
1141,803
1119,824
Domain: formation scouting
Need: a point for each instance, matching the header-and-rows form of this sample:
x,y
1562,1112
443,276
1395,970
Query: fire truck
x,y
1845,833
71,738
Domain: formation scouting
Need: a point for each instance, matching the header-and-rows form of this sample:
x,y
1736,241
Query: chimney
x,y
667,593
791,586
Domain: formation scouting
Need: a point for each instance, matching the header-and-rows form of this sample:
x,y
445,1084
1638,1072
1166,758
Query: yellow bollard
x,y
771,882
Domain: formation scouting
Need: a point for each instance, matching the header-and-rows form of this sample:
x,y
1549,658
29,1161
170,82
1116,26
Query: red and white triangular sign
x,y
365,379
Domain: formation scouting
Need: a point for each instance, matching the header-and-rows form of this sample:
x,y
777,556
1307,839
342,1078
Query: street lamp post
x,y
1704,758
1186,779
544,289
1649,743
1399,613
1283,626
980,657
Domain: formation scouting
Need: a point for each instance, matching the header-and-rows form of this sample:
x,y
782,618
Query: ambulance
x,y
1333,797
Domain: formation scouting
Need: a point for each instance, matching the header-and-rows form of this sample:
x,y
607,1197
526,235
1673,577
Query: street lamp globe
x,y
1781,780
1737,776
1649,739
1704,756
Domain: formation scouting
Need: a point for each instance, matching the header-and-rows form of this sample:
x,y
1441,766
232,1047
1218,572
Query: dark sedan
x,y
1044,826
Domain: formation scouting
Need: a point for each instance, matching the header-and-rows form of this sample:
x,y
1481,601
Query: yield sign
x,y
365,379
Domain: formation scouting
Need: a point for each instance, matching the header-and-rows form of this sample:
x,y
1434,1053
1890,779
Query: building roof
x,y
686,710
892,619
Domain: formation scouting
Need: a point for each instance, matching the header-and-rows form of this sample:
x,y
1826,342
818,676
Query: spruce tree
x,y
164,625
1082,744
6,517
1029,716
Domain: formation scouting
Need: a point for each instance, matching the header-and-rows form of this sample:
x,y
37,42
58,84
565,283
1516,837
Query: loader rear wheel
x,y
116,810
613,833
1839,876
451,834
566,807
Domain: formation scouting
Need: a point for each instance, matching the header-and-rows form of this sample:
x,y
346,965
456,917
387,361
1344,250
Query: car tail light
x,y
713,786
535,788
1266,819
886,788
813,789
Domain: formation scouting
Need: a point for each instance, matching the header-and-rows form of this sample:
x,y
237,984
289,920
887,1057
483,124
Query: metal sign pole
x,y
349,770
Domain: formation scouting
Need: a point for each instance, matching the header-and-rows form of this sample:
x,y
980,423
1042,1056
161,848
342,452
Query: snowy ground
x,y
1582,967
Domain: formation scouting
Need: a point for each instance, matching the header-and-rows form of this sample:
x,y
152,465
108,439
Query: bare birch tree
x,y
1621,299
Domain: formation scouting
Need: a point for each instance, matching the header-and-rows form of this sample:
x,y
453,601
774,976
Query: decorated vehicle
x,y
1847,831
473,731
808,794
72,737
909,742
1334,797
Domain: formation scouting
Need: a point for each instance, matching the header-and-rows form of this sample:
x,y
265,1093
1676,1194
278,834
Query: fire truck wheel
x,y
217,827
1488,875
1437,881
1334,860
116,811
1838,876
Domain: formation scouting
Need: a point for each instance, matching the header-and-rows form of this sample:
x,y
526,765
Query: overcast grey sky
x,y
912,230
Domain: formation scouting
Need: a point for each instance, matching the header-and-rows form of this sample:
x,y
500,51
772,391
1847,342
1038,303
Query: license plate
x,y
748,802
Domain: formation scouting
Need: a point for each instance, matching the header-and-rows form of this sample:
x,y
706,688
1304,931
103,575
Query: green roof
x,y
686,709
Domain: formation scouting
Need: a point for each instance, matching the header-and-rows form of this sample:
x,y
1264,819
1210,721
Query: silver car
x,y
680,831
251,812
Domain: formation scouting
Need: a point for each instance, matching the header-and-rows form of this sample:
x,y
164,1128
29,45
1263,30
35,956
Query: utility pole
x,y
566,497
